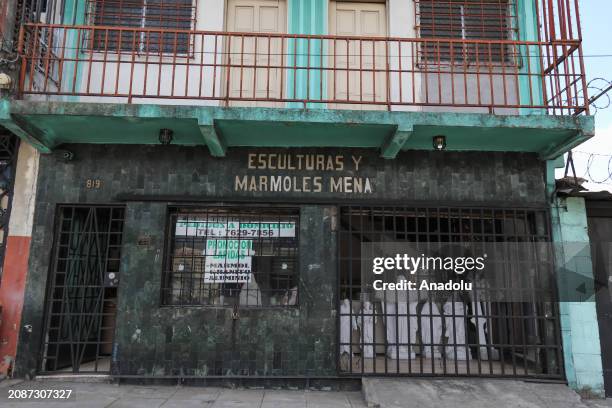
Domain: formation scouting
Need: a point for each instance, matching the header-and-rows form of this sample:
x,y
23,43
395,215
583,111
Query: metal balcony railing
x,y
136,65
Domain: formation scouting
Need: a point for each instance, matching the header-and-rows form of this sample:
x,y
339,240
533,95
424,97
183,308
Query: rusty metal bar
x,y
487,70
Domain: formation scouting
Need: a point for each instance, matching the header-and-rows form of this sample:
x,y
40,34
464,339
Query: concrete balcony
x,y
120,85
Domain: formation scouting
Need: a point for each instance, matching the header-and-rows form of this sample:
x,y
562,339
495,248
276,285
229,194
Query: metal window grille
x,y
456,334
494,20
82,289
35,10
236,257
147,14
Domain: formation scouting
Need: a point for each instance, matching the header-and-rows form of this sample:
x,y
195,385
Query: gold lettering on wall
x,y
325,166
93,184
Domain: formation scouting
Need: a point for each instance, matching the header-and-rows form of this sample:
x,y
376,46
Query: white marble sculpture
x,y
348,323
250,297
292,301
431,330
455,319
366,324
401,327
483,325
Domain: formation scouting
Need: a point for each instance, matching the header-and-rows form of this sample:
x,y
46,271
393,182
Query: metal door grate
x,y
82,289
460,333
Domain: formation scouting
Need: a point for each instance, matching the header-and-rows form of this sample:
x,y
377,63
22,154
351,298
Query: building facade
x,y
211,170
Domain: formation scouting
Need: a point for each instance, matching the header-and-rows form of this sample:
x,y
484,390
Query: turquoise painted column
x,y
305,79
531,90
579,326
74,14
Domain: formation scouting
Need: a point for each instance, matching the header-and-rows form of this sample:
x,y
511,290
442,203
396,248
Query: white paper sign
x,y
219,269
231,229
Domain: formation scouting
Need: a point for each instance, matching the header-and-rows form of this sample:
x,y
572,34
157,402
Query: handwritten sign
x,y
219,269
263,229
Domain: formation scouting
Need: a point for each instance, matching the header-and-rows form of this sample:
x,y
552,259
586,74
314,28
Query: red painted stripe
x,y
12,291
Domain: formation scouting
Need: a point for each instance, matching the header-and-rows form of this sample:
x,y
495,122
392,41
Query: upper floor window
x,y
486,21
160,18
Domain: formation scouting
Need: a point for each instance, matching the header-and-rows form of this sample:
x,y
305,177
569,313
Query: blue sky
x,y
597,41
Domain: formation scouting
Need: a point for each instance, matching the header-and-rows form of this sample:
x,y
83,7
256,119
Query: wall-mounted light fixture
x,y
5,81
64,155
165,136
439,142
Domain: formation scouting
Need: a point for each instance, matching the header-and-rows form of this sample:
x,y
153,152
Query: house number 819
x,y
93,183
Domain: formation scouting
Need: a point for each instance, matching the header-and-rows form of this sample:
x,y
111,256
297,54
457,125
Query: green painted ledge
x,y
47,125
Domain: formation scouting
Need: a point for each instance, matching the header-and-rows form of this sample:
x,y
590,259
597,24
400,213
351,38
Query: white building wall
x,y
407,85
178,78
467,87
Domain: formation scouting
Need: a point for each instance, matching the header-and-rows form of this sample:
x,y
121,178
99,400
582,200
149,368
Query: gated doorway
x,y
82,289
599,215
460,333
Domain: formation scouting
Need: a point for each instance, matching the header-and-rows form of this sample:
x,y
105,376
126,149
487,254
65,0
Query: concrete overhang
x,y
47,125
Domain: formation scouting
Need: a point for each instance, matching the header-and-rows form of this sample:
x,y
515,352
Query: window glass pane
x,y
232,257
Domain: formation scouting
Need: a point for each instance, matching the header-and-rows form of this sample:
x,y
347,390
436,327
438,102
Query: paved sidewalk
x,y
472,393
607,403
382,393
136,396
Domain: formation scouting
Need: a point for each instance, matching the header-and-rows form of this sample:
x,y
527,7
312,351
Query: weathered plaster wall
x,y
15,266
8,11
24,196
579,327
198,339
207,341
